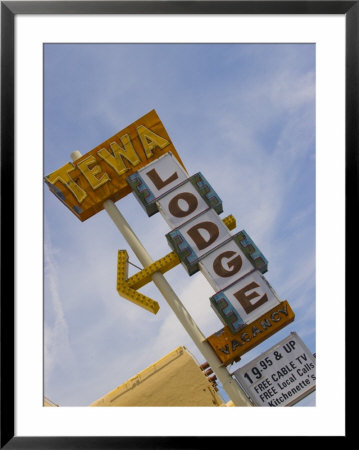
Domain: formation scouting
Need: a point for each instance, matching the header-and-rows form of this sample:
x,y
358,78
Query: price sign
x,y
281,376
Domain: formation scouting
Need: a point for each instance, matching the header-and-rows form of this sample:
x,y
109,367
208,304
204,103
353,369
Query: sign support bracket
x,y
231,387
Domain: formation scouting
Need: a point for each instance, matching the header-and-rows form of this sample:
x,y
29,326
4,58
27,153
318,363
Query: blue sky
x,y
243,115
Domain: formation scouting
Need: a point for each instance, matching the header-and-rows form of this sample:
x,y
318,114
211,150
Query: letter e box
x,y
244,301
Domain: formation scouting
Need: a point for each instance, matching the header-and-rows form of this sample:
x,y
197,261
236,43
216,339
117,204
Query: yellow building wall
x,y
48,402
175,380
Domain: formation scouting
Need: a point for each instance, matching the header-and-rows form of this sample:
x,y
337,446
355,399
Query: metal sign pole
x,y
232,388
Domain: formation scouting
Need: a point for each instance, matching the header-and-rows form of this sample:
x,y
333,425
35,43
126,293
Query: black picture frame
x,y
9,9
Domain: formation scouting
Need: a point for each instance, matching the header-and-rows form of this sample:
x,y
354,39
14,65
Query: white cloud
x,y
57,346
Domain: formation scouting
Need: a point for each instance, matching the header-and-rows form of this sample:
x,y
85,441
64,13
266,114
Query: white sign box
x,y
225,265
244,301
181,205
197,237
282,376
155,179
163,174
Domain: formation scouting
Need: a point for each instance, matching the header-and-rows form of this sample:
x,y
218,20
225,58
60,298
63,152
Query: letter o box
x,y
187,200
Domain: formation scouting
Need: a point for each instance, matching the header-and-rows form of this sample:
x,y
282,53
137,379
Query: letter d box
x,y
193,240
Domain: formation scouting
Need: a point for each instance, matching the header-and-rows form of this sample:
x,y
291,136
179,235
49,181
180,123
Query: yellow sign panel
x,y
230,347
125,288
101,173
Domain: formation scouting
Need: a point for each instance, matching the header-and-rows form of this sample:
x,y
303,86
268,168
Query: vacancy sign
x,y
281,376
101,173
230,346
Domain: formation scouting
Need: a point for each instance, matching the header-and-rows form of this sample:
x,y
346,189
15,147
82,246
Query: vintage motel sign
x,y
101,173
143,159
281,376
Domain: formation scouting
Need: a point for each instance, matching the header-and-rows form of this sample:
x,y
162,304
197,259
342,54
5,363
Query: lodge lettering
x,y
235,264
244,298
157,180
203,234
175,208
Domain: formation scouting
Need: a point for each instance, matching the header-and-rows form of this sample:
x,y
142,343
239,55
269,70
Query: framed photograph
x,y
254,108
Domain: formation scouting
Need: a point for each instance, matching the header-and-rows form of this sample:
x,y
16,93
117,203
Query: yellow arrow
x,y
163,265
124,289
127,287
